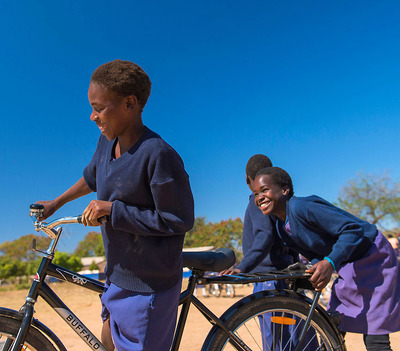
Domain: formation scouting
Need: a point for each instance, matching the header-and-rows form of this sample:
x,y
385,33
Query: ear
x,y
131,101
285,190
249,183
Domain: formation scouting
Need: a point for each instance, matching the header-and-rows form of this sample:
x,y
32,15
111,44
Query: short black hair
x,y
124,78
279,177
255,164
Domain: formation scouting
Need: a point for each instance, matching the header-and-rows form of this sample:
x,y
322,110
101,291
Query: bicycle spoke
x,y
278,331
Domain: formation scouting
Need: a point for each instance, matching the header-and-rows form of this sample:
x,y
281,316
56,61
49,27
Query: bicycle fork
x,y
28,308
26,322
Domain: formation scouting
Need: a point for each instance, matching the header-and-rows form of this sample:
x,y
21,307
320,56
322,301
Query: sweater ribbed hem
x,y
133,283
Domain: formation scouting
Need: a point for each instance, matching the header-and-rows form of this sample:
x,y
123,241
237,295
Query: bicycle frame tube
x,y
70,318
186,299
64,274
213,319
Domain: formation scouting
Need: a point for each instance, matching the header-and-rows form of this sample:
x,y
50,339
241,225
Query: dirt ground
x,y
85,304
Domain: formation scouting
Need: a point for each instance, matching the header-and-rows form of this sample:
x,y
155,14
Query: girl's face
x,y
110,111
270,197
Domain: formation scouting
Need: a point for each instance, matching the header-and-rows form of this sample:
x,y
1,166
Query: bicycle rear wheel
x,y
35,340
274,323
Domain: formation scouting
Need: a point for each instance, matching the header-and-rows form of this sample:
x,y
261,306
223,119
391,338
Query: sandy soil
x,y
86,306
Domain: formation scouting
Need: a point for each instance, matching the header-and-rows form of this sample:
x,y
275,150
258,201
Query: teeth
x,y
264,204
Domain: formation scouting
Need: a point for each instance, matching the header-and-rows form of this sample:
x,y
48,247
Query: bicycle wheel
x,y
274,323
35,340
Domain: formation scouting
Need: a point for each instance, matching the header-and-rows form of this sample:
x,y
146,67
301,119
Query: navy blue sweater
x,y
262,248
319,229
152,210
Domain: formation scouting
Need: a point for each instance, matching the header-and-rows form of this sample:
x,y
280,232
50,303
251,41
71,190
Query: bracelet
x,y
331,262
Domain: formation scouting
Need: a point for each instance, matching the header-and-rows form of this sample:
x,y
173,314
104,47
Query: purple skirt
x,y
367,292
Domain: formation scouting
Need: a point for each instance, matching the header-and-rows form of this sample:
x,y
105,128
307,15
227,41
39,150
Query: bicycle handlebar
x,y
36,210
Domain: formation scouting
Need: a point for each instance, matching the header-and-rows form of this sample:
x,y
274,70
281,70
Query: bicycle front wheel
x,y
274,323
35,340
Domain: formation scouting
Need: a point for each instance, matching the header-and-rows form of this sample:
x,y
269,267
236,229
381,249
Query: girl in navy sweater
x,y
367,291
142,186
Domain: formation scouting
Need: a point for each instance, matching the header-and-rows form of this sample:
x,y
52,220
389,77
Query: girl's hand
x,y
322,272
49,208
94,211
230,271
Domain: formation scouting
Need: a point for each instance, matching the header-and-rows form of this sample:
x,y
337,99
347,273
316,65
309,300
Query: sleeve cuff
x,y
331,262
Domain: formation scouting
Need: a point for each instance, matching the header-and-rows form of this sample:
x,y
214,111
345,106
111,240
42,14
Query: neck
x,y
128,139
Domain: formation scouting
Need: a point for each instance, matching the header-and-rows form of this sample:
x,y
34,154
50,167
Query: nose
x,y
93,116
257,198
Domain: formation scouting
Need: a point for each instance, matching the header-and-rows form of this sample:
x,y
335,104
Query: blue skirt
x,y
367,292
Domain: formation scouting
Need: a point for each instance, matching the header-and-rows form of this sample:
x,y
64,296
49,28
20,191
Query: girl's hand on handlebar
x,y
49,208
94,211
322,272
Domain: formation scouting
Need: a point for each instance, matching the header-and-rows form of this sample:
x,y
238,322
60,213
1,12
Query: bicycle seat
x,y
211,260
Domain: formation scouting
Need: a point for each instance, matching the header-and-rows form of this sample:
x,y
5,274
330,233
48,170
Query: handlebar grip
x,y
36,207
103,219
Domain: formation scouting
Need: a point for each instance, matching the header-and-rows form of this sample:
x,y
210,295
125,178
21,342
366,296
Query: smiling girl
x,y
367,291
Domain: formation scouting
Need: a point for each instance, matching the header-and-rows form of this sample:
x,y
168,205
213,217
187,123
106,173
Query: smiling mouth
x,y
264,205
102,127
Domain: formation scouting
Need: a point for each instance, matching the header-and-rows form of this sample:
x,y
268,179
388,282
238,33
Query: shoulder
x,y
161,160
313,209
303,205
154,145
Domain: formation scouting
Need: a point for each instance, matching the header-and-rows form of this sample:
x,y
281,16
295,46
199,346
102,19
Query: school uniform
x,y
152,210
367,292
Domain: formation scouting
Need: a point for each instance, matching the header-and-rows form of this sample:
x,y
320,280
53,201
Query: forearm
x,y
149,221
79,189
172,212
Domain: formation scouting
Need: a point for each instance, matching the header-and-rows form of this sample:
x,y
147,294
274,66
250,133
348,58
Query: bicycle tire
x,y
35,340
243,319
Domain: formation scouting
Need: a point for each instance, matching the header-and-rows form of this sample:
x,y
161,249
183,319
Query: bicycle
x,y
238,328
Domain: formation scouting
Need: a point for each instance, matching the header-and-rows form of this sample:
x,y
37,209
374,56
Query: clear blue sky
x,y
314,85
